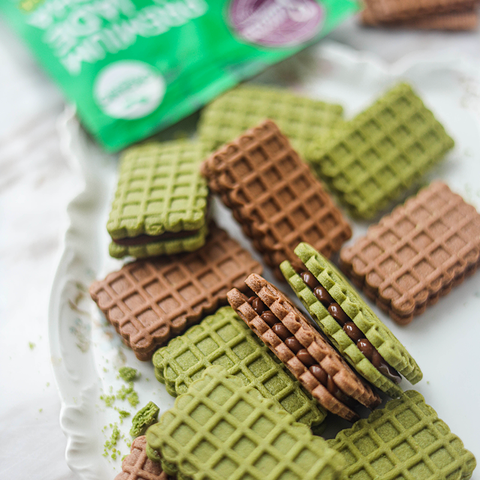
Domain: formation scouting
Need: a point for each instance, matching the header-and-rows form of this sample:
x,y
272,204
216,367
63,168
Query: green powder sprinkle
x,y
108,399
133,399
122,414
31,345
124,391
40,410
111,444
48,384
128,374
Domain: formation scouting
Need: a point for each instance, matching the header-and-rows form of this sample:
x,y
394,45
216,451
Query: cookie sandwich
x,y
150,301
404,440
349,323
160,204
305,352
222,429
274,196
224,339
417,253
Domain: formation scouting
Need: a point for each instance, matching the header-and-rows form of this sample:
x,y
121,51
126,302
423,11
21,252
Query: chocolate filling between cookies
x,y
353,332
144,239
300,351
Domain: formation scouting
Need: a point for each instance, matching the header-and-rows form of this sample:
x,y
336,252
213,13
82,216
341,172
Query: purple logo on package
x,y
276,23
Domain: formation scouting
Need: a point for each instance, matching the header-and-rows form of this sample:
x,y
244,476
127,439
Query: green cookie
x,y
222,429
300,119
404,441
359,312
160,204
224,339
381,152
145,417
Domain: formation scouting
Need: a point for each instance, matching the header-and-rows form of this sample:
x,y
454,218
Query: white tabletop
x,y
36,184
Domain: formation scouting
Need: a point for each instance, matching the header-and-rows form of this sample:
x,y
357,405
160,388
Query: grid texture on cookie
x,y
224,339
150,301
221,429
381,152
326,357
386,10
416,253
459,20
159,190
405,440
300,119
137,466
274,195
379,335
341,340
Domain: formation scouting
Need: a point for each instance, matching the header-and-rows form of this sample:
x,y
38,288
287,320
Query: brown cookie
x,y
396,10
137,466
294,340
416,254
274,196
455,21
153,300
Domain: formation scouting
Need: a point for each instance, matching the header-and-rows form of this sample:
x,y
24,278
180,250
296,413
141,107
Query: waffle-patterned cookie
x,y
221,429
310,344
372,328
391,10
151,301
161,200
417,253
224,339
381,152
274,195
404,441
137,466
300,119
455,21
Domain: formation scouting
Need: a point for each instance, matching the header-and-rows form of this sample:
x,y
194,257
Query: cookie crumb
x,y
145,417
128,374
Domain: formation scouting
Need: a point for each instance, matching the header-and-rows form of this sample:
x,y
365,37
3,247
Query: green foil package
x,y
134,67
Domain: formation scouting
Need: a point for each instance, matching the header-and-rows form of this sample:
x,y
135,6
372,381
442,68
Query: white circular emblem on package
x,y
128,89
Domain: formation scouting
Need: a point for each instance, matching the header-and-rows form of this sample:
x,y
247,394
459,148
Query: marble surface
x,y
36,184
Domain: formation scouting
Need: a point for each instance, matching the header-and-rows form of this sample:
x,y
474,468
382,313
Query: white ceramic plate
x,y
86,350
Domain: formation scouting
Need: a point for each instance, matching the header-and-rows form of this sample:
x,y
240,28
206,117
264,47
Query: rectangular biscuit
x,y
395,10
274,195
454,21
151,301
161,201
417,253
381,152
300,118
224,339
404,440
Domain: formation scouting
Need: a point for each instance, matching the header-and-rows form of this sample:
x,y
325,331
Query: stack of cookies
x,y
255,379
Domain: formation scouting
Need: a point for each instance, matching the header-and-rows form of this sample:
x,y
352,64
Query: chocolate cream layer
x,y
145,239
300,351
353,332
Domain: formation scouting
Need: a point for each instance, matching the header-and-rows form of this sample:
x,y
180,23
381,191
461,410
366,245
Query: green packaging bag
x,y
134,67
